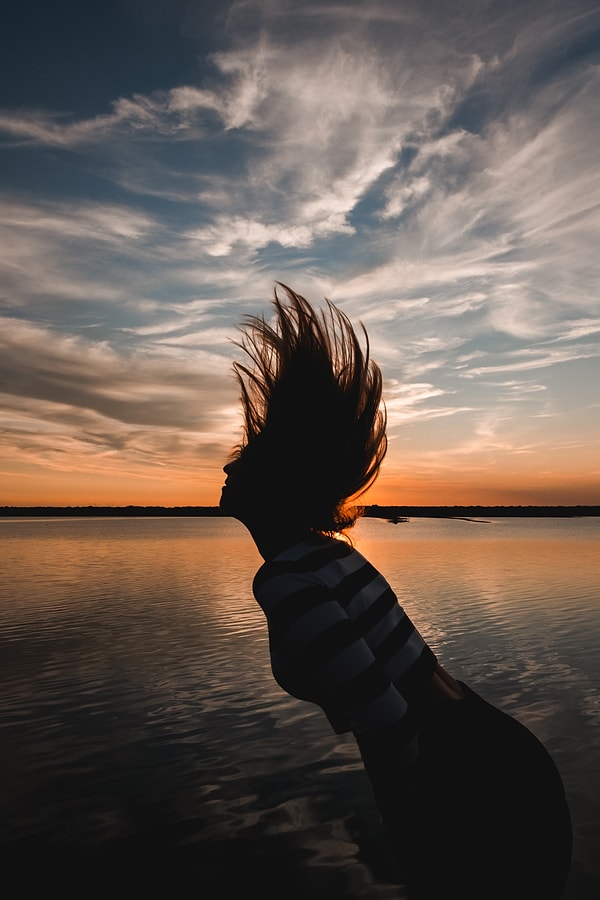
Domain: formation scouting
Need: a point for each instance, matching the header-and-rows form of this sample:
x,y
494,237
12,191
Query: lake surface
x,y
144,742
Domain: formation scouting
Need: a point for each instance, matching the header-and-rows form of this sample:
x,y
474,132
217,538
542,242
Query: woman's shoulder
x,y
313,561
309,554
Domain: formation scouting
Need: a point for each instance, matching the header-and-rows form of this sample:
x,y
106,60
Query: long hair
x,y
312,411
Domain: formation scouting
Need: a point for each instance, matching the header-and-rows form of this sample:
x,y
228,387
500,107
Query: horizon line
x,y
376,510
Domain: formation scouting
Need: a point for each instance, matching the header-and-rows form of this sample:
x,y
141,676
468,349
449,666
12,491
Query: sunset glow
x,y
431,169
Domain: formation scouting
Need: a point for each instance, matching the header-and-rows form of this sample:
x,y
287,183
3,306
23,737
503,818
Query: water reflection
x,y
139,715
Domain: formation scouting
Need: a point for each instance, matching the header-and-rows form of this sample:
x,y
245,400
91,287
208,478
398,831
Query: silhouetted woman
x,y
470,800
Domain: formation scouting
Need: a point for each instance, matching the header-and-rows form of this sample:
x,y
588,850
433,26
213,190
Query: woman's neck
x,y
271,540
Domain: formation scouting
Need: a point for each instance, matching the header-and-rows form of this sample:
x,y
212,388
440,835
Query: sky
x,y
430,167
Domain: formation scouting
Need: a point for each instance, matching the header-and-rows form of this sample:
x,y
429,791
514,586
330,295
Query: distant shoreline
x,y
397,513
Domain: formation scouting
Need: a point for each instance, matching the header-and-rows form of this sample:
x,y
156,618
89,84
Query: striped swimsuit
x,y
339,638
471,801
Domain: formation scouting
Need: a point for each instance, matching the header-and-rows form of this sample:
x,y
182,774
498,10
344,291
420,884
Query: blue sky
x,y
430,167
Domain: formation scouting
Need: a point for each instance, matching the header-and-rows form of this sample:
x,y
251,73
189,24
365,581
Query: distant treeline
x,y
458,512
375,511
123,511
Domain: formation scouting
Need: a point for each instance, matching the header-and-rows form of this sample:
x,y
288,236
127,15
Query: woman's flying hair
x,y
314,424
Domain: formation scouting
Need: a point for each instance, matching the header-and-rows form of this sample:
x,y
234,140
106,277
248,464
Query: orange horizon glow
x,y
78,489
551,477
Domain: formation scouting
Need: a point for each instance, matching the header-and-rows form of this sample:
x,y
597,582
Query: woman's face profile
x,y
240,492
231,486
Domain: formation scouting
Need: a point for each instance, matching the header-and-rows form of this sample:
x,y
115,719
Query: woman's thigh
x,y
491,810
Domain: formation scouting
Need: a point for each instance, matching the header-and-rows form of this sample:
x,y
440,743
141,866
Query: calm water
x,y
143,738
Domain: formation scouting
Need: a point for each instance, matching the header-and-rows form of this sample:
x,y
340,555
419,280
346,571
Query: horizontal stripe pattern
x,y
339,638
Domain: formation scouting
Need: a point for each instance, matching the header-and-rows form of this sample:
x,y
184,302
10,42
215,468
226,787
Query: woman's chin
x,y
226,503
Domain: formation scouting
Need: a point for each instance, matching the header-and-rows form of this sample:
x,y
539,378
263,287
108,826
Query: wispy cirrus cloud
x,y
165,389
